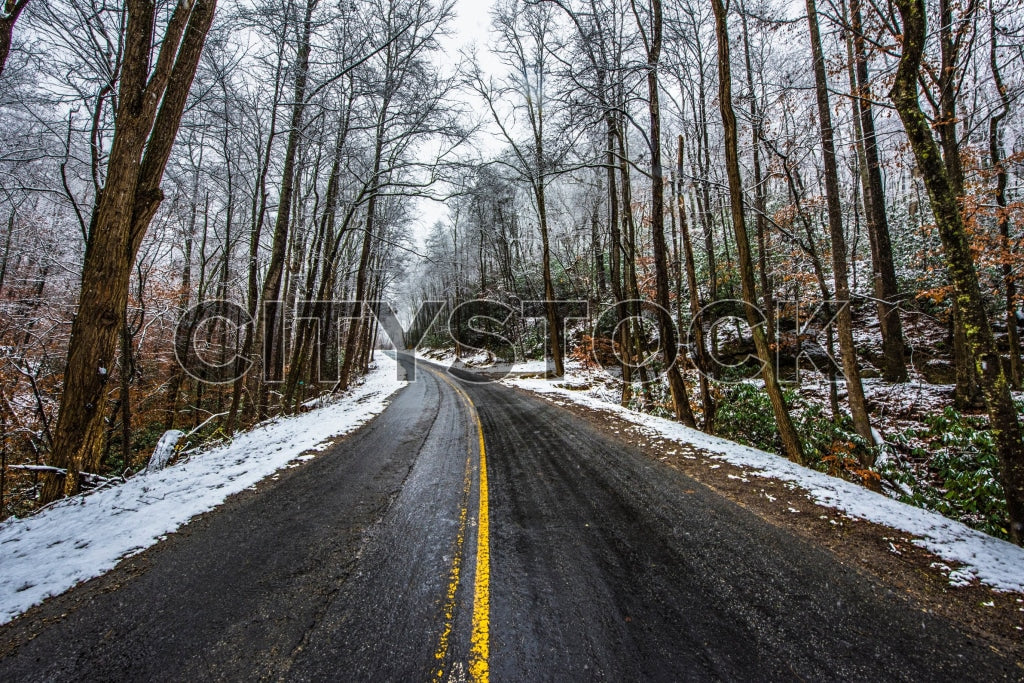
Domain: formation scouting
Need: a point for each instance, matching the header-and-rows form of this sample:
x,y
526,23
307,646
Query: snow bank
x,y
84,537
990,560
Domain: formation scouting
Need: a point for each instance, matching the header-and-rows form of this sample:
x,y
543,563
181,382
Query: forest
x,y
794,225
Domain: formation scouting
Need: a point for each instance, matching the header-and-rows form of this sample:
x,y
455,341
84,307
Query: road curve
x,y
595,563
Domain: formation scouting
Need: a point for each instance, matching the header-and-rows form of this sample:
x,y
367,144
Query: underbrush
x,y
745,415
947,464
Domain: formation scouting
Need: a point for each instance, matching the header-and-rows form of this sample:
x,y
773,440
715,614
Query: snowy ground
x,y
85,536
483,361
975,555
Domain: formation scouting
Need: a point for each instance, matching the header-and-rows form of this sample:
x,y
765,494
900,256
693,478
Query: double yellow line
x,y
479,652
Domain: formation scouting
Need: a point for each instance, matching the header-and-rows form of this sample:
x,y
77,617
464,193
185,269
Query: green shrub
x,y
952,467
832,446
958,474
745,415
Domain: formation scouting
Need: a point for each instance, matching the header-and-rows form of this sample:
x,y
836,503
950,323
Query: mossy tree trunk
x,y
1002,215
1004,422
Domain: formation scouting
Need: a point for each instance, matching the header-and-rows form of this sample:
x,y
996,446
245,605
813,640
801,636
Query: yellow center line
x,y
479,653
454,574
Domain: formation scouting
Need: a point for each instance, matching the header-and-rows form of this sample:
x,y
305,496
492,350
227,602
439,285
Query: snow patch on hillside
x,y
85,536
482,361
990,560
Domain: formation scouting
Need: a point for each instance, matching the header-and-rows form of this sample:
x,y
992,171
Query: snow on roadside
x,y
84,537
990,560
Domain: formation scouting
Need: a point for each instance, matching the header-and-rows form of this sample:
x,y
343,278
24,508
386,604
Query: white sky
x,y
470,27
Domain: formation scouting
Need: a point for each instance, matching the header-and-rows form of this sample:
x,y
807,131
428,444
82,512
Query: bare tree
x,y
787,432
884,272
652,39
995,147
151,102
840,268
528,61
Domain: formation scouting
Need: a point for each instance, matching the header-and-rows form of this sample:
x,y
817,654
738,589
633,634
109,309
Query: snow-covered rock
x,y
164,450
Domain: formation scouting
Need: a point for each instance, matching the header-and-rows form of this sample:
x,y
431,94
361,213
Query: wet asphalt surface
x,y
604,565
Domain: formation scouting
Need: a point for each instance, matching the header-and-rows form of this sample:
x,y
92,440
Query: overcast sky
x,y
470,27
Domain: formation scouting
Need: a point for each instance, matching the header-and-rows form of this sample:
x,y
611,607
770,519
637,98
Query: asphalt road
x,y
555,552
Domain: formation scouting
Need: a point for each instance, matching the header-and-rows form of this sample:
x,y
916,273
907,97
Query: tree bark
x,y
995,147
272,310
174,388
355,328
967,394
696,323
884,272
131,195
667,328
549,285
760,189
633,332
256,222
787,432
840,274
622,314
12,9
321,265
1004,422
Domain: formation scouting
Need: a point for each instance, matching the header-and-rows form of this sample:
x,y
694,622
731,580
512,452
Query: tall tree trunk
x,y
883,270
967,394
549,285
600,284
355,328
840,274
149,113
622,313
174,389
272,313
667,328
704,198
760,187
1003,417
256,222
677,249
701,164
696,322
125,398
5,257
634,329
787,432
995,148
795,186
321,253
